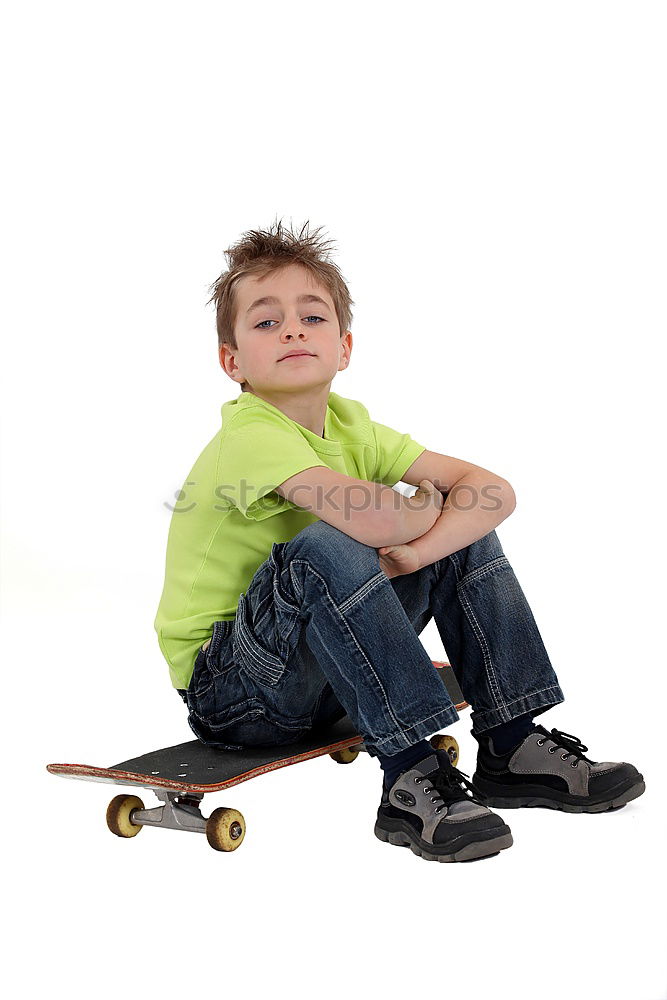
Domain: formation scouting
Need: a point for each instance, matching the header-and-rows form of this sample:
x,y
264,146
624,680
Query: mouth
x,y
301,354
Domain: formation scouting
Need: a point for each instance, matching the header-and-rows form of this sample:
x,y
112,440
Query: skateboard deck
x,y
181,775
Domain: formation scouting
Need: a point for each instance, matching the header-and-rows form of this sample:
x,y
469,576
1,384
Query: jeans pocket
x,y
219,698
213,661
252,651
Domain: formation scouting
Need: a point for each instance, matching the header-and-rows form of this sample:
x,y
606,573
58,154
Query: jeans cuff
x,y
412,734
535,703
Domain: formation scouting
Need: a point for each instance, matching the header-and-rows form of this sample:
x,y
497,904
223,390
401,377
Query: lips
x,y
297,354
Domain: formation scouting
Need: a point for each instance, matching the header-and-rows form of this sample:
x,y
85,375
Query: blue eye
x,y
261,325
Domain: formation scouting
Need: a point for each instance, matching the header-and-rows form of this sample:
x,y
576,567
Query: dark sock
x,y
508,735
393,764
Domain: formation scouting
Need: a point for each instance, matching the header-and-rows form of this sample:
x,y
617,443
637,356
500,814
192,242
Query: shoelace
x,y
449,785
565,741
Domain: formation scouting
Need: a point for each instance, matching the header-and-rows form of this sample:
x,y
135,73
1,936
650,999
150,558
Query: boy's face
x,y
265,333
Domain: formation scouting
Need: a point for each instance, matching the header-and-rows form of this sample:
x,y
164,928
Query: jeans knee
x,y
321,536
478,553
330,550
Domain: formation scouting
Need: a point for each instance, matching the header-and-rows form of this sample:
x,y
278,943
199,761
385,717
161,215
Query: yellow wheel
x,y
345,756
119,815
442,742
225,829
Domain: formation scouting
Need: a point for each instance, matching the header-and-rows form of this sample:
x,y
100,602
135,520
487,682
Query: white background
x,y
493,176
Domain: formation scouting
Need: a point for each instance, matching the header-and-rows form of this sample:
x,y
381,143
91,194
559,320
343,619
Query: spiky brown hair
x,y
259,252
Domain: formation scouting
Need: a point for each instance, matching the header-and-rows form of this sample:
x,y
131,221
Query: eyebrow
x,y
271,300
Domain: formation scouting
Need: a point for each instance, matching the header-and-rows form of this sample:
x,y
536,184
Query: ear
x,y
227,358
346,347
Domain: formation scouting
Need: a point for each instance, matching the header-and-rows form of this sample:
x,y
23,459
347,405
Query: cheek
x,y
257,358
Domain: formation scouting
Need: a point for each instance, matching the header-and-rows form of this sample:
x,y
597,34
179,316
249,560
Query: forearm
x,y
475,505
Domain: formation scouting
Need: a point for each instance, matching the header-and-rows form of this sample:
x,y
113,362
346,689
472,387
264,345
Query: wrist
x,y
419,550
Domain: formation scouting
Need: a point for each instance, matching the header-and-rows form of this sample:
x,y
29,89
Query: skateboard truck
x,y
179,812
224,828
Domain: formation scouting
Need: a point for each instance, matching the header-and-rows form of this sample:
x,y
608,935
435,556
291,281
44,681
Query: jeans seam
x,y
295,584
457,565
530,693
279,600
359,594
481,571
372,672
486,652
436,720
481,716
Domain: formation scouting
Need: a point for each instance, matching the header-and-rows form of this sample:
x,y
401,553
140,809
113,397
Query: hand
x,y
426,491
396,560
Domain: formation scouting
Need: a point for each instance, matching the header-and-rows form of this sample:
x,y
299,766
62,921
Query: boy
x,y
297,580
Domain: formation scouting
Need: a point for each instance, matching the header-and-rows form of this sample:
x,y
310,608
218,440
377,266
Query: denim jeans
x,y
322,632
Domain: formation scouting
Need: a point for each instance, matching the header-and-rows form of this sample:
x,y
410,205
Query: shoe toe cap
x,y
612,776
622,768
463,810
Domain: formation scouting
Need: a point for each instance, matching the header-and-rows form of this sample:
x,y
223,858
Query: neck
x,y
306,408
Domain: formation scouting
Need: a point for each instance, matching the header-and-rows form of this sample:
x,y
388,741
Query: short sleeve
x,y
258,452
395,453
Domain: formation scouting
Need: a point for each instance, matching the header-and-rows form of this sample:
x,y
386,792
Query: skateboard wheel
x,y
448,743
345,756
119,815
225,829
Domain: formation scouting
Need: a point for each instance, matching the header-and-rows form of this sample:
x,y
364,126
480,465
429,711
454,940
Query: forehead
x,y
292,283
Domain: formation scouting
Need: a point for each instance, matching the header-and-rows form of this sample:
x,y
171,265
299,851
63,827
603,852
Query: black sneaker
x,y
430,810
549,769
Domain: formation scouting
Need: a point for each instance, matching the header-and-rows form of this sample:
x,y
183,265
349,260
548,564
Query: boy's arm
x,y
367,511
477,501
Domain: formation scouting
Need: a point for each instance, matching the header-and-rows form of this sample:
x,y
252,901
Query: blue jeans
x,y
322,632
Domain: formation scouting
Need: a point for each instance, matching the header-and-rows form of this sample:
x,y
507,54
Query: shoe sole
x,y
515,801
401,837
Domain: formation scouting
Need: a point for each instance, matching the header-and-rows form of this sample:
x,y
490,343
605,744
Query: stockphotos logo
x,y
350,500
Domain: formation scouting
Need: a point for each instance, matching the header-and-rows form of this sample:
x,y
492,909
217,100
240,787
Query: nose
x,y
291,330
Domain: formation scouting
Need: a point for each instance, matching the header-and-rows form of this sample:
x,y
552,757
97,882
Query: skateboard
x,y
181,775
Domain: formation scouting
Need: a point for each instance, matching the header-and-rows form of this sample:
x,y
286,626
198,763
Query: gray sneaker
x,y
430,810
550,769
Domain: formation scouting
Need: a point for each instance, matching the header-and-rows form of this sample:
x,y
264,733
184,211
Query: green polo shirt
x,y
228,514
